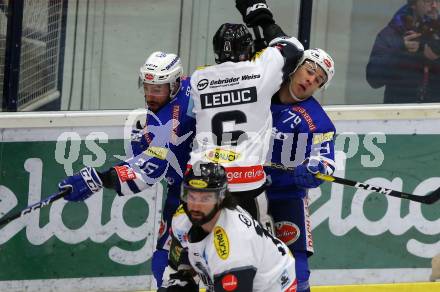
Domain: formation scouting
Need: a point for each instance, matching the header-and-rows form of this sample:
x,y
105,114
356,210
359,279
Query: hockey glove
x,y
181,281
304,174
138,141
82,184
254,12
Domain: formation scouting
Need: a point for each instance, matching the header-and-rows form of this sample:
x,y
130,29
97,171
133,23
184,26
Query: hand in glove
x,y
254,12
181,281
304,174
82,184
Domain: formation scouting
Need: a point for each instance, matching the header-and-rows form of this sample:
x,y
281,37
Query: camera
x,y
429,30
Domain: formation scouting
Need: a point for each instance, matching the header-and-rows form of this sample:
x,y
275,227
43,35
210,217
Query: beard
x,y
197,217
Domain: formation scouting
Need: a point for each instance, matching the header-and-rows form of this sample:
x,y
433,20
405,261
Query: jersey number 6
x,y
233,138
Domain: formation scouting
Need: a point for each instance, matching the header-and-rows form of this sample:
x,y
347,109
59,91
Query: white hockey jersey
x,y
233,119
238,255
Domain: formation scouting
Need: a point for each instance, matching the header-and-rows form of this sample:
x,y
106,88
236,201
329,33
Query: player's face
x,y
156,95
306,80
200,204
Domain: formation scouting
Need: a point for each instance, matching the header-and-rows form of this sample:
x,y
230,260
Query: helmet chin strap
x,y
293,96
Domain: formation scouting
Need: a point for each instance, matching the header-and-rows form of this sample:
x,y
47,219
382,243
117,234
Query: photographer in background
x,y
405,56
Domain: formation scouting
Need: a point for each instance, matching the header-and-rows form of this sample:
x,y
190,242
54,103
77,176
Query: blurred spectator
x,y
405,56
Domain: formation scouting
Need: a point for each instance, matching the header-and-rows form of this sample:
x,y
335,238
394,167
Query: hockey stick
x,y
429,199
52,198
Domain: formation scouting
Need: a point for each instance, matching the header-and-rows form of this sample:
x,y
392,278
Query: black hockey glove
x,y
181,281
254,12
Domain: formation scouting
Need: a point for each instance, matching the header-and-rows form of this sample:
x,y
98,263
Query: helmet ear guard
x,y
232,42
162,68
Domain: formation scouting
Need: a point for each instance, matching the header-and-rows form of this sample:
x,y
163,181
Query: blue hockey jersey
x,y
299,131
160,149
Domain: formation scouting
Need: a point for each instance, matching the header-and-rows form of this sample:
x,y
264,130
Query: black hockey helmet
x,y
210,178
206,177
232,42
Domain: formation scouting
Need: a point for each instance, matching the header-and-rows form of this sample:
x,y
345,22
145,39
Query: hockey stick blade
x,y
428,199
34,207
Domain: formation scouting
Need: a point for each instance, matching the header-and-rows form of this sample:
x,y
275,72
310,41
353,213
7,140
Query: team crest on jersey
x,y
229,282
198,183
222,156
287,232
158,152
221,243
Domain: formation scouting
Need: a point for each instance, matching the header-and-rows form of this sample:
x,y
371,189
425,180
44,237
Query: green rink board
x,y
375,233
102,239
54,258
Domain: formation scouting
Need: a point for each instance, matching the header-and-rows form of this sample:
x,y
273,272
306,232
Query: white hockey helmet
x,y
323,60
162,68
